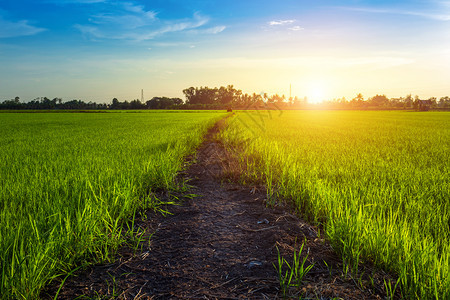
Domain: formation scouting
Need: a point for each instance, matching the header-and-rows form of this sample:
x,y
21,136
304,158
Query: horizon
x,y
269,97
97,50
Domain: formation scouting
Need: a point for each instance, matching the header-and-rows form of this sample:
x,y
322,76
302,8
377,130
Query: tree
x,y
226,95
433,101
357,101
202,95
444,102
379,100
136,104
408,101
276,99
115,104
189,93
163,103
46,103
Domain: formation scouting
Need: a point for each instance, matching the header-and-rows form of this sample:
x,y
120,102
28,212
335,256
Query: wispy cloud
x,y
127,16
285,25
434,16
296,28
75,1
215,30
17,28
127,20
441,16
167,44
281,22
211,30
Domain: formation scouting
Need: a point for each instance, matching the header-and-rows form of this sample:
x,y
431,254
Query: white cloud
x,y
434,16
75,1
166,44
428,15
296,28
127,20
281,22
89,31
197,21
215,30
212,30
124,15
17,28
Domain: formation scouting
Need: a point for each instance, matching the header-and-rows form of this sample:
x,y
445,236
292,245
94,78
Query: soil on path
x,y
222,244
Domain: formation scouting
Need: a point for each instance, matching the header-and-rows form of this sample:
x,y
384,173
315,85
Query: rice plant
x,y
379,182
68,182
291,275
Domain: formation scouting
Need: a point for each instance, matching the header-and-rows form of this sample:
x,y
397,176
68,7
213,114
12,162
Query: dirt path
x,y
219,245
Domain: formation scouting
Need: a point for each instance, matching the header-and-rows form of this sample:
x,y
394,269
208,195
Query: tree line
x,y
44,103
230,97
224,97
383,102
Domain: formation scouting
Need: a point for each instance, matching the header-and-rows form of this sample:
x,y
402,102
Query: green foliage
x,y
291,275
68,182
377,181
205,95
163,102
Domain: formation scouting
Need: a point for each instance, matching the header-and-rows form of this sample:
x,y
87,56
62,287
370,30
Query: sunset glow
x,y
98,50
317,92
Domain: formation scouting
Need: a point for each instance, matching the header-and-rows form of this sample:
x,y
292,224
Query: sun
x,y
317,92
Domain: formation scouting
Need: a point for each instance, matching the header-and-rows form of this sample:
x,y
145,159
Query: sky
x,y
97,50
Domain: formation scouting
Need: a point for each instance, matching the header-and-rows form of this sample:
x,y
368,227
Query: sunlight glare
x,y
317,92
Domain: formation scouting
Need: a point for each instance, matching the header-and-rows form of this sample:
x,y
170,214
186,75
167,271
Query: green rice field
x,y
70,180
378,182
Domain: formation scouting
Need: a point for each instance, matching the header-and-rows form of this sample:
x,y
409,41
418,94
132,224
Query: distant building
x,y
423,105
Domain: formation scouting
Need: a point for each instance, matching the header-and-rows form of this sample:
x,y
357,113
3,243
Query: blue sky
x,y
96,50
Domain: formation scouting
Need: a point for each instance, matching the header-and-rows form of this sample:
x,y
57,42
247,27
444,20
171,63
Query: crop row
x,y
69,182
378,182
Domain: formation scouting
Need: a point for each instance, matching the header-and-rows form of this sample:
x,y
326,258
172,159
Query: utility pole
x,y
142,96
